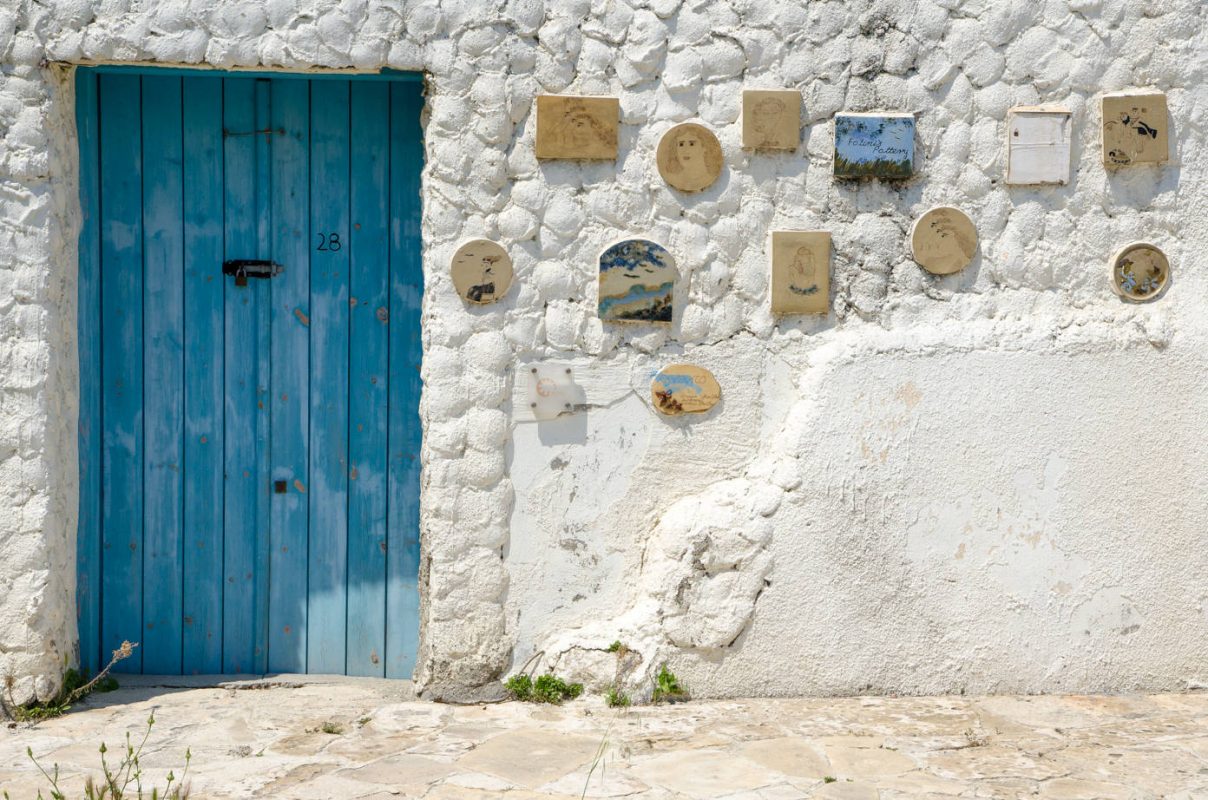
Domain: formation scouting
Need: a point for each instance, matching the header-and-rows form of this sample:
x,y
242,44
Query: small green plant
x,y
331,728
76,685
828,779
520,687
615,698
547,688
617,647
122,782
667,688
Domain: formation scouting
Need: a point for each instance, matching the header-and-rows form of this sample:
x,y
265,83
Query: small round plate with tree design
x,y
1139,271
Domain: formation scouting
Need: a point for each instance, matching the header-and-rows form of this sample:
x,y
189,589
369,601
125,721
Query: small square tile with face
x,y
771,119
800,272
577,127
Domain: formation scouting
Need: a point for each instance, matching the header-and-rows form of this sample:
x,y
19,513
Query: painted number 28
x,y
329,241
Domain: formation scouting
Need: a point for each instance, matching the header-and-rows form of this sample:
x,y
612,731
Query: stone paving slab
x,y
301,737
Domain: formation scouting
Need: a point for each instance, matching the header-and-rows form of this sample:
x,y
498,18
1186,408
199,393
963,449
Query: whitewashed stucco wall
x,y
993,481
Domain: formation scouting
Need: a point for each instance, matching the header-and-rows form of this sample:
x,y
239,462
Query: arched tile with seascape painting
x,y
637,282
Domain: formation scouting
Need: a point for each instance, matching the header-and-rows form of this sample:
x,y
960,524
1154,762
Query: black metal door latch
x,y
244,268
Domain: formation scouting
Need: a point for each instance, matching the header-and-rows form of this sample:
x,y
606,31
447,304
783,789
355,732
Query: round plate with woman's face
x,y
689,157
943,240
1139,271
482,271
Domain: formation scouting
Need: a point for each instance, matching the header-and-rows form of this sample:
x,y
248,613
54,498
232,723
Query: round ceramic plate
x,y
689,157
684,389
1139,271
482,271
943,240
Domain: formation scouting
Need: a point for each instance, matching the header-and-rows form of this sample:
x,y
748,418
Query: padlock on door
x,y
244,268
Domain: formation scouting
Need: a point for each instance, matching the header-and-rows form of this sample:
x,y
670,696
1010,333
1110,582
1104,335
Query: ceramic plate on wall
x,y
482,271
637,282
943,240
1139,271
689,157
684,389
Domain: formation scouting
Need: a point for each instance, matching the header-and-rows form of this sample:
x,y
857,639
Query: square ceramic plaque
x,y
800,272
1038,145
874,146
1134,129
771,119
577,127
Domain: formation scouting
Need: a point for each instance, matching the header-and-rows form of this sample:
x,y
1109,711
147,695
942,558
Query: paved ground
x,y
339,738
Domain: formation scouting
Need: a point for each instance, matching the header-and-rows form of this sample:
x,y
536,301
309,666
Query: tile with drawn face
x,y
1139,271
637,282
800,272
689,157
943,240
481,271
1038,145
577,127
874,146
771,119
1134,129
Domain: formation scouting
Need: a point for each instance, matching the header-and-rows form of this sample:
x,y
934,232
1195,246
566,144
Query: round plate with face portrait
x,y
689,157
943,240
482,271
1139,271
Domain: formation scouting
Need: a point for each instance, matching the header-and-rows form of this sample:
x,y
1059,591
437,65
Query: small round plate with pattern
x,y
1139,271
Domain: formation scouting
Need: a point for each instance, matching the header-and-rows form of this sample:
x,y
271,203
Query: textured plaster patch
x,y
1017,410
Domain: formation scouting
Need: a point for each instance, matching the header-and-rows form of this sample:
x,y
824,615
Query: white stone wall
x,y
987,482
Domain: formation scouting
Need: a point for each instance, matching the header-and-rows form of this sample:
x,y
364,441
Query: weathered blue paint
x,y
240,360
291,367
163,372
203,388
121,365
368,374
88,545
406,295
329,199
199,398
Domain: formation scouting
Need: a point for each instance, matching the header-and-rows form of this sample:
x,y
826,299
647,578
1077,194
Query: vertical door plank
x,y
88,336
240,362
406,294
203,497
328,377
122,370
163,372
368,388
261,345
290,367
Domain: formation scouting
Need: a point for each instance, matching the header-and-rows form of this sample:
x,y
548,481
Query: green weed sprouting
x,y
667,688
123,781
546,688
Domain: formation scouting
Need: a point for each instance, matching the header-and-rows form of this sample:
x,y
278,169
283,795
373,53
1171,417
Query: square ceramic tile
x,y
1038,145
800,272
1135,129
874,146
771,119
577,127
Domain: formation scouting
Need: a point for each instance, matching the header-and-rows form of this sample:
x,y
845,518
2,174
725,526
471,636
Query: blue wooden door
x,y
249,446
